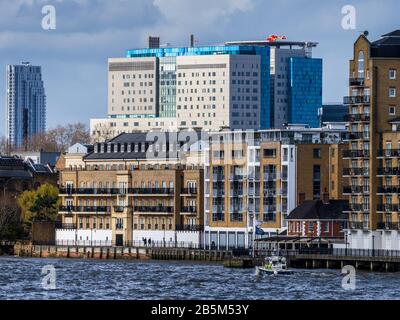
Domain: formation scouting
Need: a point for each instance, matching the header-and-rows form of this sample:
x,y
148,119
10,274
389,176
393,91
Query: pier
x,y
318,258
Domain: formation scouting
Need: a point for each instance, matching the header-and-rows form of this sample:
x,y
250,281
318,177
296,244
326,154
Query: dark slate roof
x,y
150,138
395,33
317,210
387,47
395,120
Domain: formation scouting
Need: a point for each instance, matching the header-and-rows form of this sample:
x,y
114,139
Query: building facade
x,y
319,219
372,158
127,190
296,83
179,88
256,180
26,103
241,85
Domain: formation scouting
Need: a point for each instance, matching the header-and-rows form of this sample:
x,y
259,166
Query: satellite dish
x,y
366,33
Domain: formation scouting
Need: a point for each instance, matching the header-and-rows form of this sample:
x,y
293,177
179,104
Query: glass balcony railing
x,y
356,100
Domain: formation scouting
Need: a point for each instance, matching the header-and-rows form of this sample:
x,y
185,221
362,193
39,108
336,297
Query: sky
x,y
74,55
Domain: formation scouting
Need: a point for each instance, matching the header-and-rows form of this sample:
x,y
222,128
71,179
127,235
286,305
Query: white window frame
x,y
394,72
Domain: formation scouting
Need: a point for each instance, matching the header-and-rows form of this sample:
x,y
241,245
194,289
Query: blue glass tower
x,y
26,103
305,91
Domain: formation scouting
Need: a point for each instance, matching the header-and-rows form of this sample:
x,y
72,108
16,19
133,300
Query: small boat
x,y
274,265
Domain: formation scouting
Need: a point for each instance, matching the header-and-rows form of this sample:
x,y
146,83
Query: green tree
x,y
39,205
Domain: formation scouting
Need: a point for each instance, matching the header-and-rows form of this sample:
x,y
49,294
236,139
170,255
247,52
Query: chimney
x,y
302,198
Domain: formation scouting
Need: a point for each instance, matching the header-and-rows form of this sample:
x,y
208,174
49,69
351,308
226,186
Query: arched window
x,y
361,65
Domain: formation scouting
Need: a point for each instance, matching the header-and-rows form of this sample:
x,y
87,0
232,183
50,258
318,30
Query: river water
x,y
21,278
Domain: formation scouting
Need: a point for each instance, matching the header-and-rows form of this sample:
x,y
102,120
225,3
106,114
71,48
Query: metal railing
x,y
189,209
357,100
156,209
389,226
342,252
86,209
356,82
356,153
358,117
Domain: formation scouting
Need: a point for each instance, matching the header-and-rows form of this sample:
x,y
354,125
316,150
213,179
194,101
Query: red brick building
x,y
318,219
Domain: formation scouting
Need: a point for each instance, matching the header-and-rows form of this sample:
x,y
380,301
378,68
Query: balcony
x,y
352,118
189,210
389,226
357,100
269,176
389,190
218,209
356,82
388,153
236,193
85,209
236,177
355,189
218,177
269,209
119,209
269,193
189,228
357,207
151,191
89,191
351,136
387,208
189,191
218,193
350,154
388,171
356,172
236,209
66,226
358,225
152,209
254,177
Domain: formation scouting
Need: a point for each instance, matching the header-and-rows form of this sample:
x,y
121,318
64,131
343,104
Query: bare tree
x,y
4,146
58,139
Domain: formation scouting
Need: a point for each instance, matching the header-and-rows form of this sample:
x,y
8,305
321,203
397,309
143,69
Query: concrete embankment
x,y
143,253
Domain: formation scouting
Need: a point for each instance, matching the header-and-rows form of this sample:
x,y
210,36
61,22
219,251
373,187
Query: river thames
x,y
135,280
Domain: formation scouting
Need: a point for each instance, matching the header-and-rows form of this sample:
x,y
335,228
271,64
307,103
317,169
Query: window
x,y
317,153
392,111
392,92
269,153
361,64
392,74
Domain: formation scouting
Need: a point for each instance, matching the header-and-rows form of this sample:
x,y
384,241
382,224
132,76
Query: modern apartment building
x,y
194,87
26,103
132,187
296,82
256,179
374,140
